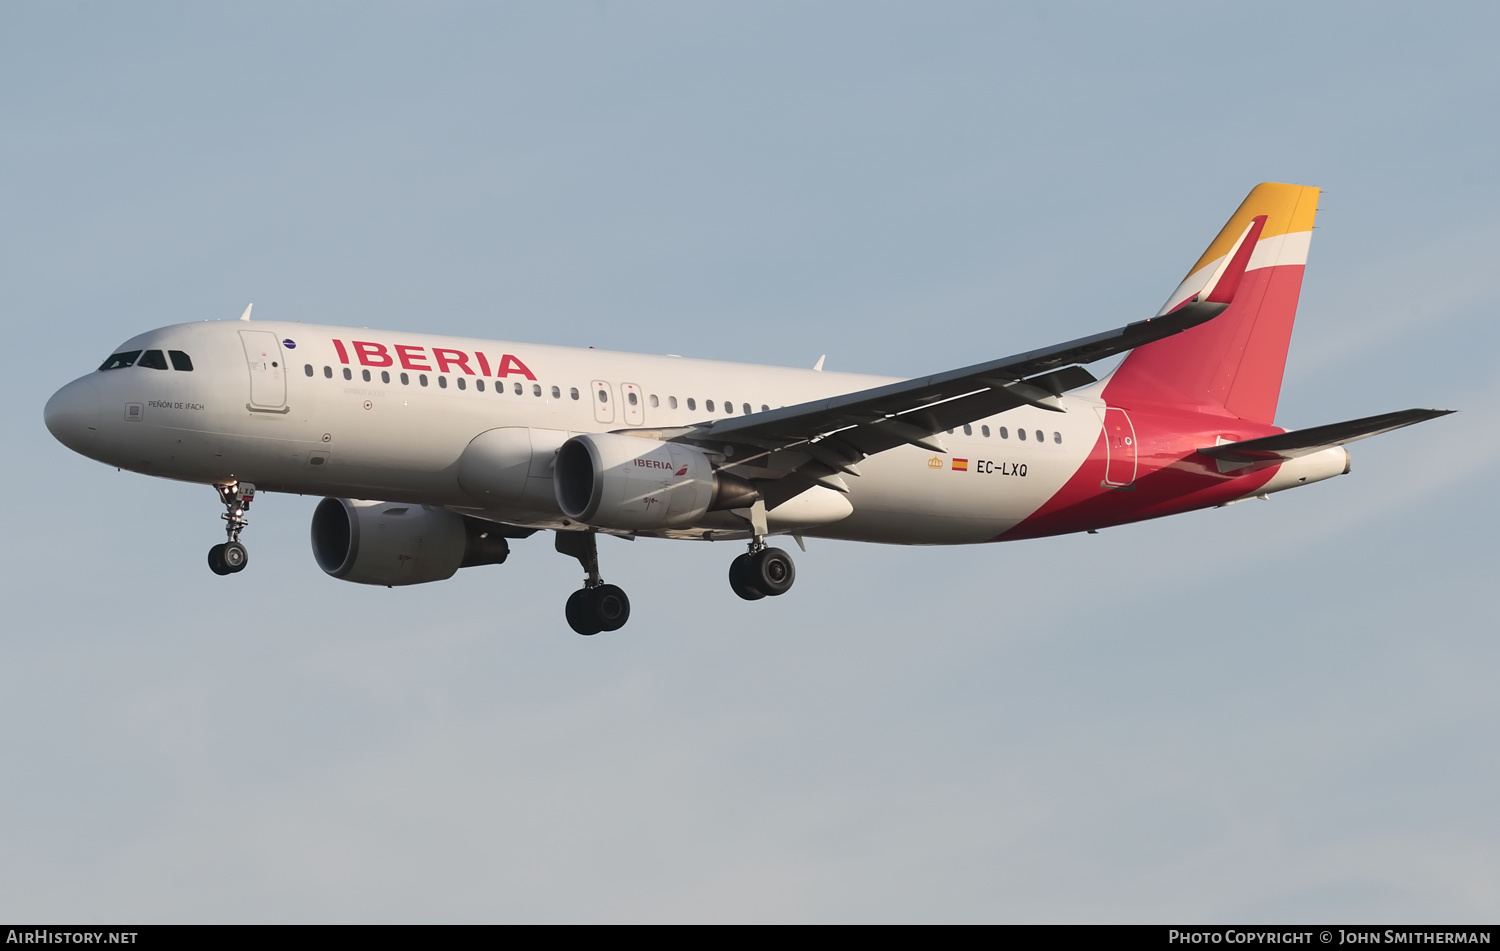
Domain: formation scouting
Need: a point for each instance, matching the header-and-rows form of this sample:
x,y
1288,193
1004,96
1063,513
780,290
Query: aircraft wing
x,y
817,440
835,433
1301,442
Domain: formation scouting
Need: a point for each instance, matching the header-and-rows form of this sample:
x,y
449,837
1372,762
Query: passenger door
x,y
267,368
1119,448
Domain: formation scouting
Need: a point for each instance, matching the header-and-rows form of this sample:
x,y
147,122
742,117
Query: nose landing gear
x,y
230,557
596,606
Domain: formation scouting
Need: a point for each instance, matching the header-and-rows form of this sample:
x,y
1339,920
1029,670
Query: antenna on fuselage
x,y
819,364
246,314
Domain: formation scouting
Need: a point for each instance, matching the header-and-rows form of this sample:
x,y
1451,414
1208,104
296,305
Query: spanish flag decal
x,y
960,465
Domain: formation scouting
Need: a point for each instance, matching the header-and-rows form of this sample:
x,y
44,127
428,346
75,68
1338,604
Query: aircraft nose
x,y
72,415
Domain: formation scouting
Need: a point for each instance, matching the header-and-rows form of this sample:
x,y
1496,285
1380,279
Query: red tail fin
x,y
1233,363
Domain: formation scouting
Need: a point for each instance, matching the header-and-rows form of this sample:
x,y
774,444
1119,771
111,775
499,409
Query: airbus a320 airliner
x,y
434,451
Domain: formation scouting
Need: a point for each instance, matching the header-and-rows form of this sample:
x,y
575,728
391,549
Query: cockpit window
x,y
152,360
120,360
180,360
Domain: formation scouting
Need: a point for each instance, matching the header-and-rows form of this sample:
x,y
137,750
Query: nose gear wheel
x,y
228,558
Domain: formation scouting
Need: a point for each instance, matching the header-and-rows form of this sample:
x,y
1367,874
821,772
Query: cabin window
x,y
536,389
708,405
671,402
692,403
365,375
442,382
519,391
984,431
747,409
460,381
328,373
968,430
308,369
1021,434
405,380
348,374
556,393
181,361
573,392
120,360
1057,438
634,400
654,401
479,385
1004,433
422,378
764,408
385,376
729,407
603,395
1040,436
153,360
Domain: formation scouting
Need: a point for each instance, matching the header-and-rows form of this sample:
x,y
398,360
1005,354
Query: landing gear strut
x,y
596,606
761,571
230,557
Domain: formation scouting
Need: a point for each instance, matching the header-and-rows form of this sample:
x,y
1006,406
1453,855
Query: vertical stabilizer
x,y
1233,363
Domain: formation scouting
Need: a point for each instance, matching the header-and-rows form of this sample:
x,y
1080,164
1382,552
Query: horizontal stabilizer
x,y
1301,442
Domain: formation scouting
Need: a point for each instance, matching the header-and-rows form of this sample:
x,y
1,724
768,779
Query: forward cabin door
x,y
267,371
1119,448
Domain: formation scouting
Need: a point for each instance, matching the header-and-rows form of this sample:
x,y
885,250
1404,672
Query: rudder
x,y
1232,364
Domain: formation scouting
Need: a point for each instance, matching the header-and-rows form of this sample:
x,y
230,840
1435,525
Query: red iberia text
x,y
440,359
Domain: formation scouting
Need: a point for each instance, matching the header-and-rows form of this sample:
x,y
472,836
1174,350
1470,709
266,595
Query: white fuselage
x,y
392,416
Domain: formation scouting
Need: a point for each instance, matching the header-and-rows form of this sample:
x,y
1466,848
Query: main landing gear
x,y
762,572
596,606
230,557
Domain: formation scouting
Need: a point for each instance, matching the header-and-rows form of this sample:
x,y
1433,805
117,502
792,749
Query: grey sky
x,y
1278,711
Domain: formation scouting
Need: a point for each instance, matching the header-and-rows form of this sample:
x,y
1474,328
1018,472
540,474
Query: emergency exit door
x,y
604,406
634,403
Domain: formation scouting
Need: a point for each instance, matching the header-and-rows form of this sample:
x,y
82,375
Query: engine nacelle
x,y
634,483
393,543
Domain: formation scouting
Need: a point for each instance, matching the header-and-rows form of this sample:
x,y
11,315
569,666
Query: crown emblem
x,y
936,462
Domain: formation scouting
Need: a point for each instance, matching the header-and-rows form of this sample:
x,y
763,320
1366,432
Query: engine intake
x,y
392,543
631,483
